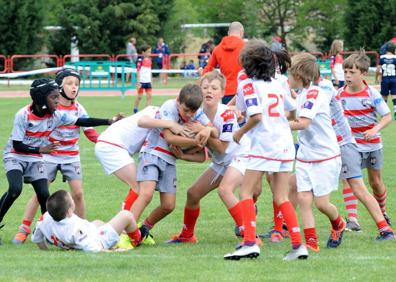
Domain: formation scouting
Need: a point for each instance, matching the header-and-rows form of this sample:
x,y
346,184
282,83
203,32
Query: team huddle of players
x,y
338,136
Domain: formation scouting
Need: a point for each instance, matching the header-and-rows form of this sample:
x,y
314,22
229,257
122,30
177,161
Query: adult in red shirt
x,y
226,55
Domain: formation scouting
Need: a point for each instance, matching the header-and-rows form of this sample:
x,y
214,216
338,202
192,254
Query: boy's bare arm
x,y
252,122
300,123
385,120
217,145
148,122
177,140
198,157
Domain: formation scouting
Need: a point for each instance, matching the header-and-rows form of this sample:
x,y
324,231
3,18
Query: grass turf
x,y
360,257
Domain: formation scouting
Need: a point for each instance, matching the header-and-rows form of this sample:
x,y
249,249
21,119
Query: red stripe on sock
x,y
347,190
353,206
249,220
135,235
383,226
290,217
351,198
27,222
190,219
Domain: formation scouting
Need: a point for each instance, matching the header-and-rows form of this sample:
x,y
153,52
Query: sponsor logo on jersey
x,y
248,89
251,102
308,105
227,127
377,101
312,94
366,102
227,115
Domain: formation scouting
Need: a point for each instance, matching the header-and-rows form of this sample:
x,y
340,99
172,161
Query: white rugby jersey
x,y
289,102
318,142
226,123
70,233
270,139
361,111
144,69
34,131
338,120
68,150
126,133
155,143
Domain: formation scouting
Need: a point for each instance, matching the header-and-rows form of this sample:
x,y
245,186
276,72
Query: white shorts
x,y
320,178
112,157
108,236
261,164
238,163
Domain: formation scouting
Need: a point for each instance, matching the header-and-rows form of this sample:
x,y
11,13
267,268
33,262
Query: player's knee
x,y
146,197
127,215
15,189
78,196
223,192
375,183
168,207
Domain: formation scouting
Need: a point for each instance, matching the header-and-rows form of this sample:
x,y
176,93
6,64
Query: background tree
x,y
21,26
369,23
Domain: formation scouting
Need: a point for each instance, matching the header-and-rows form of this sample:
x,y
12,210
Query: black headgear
x,y
40,89
61,75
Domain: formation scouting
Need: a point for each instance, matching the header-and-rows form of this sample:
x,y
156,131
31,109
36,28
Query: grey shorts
x,y
153,168
351,162
372,160
70,171
32,171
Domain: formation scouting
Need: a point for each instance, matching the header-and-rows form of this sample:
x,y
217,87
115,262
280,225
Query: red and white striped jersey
x,y
226,123
155,143
338,120
318,142
68,150
126,133
144,69
270,139
34,131
71,233
361,110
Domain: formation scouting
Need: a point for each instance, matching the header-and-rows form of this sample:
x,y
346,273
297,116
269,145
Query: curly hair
x,y
260,62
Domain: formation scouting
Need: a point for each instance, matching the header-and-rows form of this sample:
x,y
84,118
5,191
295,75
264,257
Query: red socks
x,y
311,238
278,218
383,226
350,202
129,199
249,221
290,217
190,219
338,223
135,237
236,213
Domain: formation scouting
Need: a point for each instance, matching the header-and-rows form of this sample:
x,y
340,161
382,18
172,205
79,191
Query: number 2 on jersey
x,y
272,112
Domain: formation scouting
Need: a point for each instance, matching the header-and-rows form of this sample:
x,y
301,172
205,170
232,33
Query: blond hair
x,y
305,67
360,60
214,75
336,47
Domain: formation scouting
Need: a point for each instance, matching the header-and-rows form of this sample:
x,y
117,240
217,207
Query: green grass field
x,y
359,258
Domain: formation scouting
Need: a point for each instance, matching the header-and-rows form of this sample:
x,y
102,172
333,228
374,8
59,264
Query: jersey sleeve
x,y
19,129
38,236
82,113
168,111
228,125
311,104
202,118
378,102
250,97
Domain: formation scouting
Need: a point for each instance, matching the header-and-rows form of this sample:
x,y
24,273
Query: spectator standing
x,y
162,50
131,50
226,55
204,53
